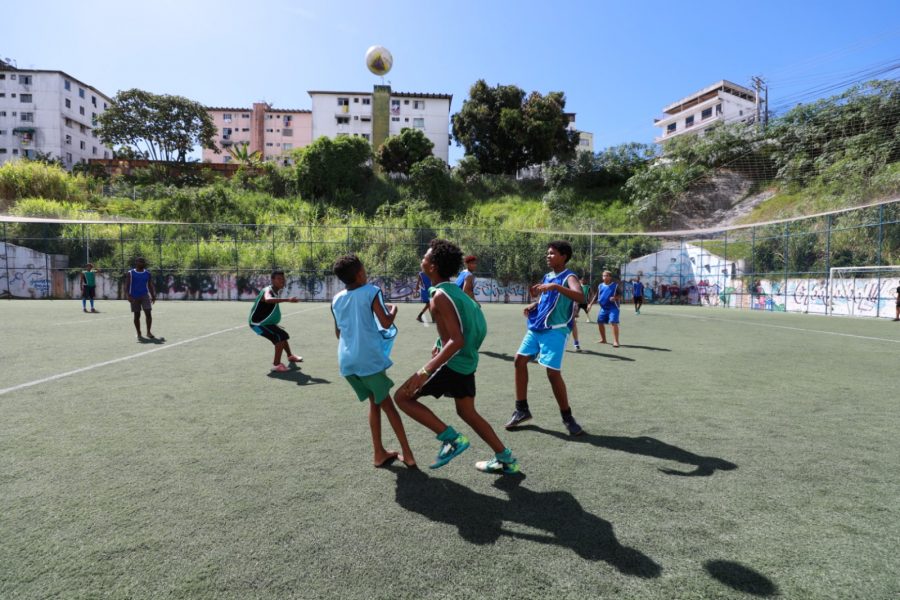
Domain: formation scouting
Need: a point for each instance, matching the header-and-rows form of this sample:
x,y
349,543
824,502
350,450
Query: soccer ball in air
x,y
379,60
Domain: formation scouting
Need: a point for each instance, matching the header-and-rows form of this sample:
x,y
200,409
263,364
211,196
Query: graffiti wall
x,y
860,297
26,273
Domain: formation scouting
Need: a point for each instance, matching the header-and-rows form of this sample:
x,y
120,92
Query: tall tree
x,y
162,127
333,169
505,130
399,153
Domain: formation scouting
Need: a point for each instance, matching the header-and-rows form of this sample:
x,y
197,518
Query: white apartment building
x,y
722,102
273,132
49,112
336,114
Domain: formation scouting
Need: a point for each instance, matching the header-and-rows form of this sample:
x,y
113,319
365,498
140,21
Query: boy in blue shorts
x,y
550,320
423,283
364,326
265,317
638,292
451,370
608,297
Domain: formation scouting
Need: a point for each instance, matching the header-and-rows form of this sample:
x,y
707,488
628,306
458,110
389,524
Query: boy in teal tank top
x,y
88,286
451,369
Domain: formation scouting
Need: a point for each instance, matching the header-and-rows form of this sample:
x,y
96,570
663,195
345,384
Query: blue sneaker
x,y
449,451
573,427
518,417
495,465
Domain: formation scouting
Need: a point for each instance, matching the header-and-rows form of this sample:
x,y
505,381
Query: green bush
x,y
33,179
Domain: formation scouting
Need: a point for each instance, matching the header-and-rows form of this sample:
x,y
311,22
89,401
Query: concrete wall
x,y
27,273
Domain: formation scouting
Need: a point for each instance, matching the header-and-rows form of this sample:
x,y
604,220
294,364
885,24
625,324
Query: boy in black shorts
x,y
897,316
265,316
451,371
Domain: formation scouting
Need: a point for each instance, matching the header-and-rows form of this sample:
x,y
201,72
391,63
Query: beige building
x,y
271,131
721,102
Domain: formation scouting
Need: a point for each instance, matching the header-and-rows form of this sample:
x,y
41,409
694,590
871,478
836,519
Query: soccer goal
x,y
857,291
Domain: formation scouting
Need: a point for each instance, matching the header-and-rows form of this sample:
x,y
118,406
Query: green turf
x,y
729,454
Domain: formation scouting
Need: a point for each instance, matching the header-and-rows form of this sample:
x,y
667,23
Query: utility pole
x,y
761,119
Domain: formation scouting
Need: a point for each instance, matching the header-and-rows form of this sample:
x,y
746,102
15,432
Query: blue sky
x,y
619,63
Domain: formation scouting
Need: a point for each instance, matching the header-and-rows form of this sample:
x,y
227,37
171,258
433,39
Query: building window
x,y
106,154
68,122
245,129
287,132
287,120
67,84
367,101
83,128
2,95
25,98
406,102
707,113
25,79
419,104
395,107
94,150
270,131
81,92
82,145
718,109
366,136
94,119
343,120
15,150
343,101
2,113
268,143
365,118
226,117
27,116
419,123
287,146
69,157
94,100
670,128
81,110
395,119
68,103
68,139
356,101
245,116
2,150
689,122
226,132
226,159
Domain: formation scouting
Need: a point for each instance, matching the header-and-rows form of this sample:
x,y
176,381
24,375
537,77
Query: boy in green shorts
x,y
364,326
451,369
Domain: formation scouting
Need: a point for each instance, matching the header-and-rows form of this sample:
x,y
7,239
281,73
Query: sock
x,y
566,415
83,303
92,304
522,405
448,435
505,456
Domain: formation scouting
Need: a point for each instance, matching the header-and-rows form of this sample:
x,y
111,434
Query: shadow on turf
x,y
646,446
603,354
512,358
298,376
480,518
156,340
654,348
741,578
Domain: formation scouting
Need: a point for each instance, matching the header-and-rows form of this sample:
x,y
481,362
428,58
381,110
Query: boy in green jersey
x,y
88,286
265,316
454,359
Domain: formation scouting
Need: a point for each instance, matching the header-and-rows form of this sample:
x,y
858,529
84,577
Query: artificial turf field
x,y
729,454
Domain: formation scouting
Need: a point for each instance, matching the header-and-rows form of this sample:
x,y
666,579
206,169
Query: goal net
x,y
863,291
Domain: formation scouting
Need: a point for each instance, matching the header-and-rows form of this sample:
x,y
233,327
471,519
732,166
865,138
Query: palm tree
x,y
242,156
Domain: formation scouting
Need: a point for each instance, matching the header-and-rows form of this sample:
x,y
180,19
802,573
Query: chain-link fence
x,y
775,266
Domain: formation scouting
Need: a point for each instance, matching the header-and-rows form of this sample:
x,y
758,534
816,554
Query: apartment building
x,y
721,102
273,132
49,112
381,113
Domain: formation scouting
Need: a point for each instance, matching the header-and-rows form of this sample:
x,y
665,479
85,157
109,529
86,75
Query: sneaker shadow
x,y
480,518
297,376
604,355
654,348
741,578
704,466
156,340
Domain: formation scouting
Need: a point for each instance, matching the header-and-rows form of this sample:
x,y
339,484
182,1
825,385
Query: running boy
x,y
454,359
88,286
549,321
364,326
422,285
608,297
582,306
141,293
637,289
265,316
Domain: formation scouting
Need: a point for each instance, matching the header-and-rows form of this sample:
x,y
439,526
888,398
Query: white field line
x,y
138,355
850,335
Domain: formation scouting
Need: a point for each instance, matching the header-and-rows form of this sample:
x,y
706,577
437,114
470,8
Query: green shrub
x,y
33,179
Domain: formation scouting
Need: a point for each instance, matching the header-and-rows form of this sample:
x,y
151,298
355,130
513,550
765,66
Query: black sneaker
x,y
518,417
573,427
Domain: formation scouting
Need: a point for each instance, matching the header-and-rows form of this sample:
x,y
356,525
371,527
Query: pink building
x,y
272,131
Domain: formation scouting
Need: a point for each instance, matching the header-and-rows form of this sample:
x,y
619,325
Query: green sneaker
x,y
449,451
496,466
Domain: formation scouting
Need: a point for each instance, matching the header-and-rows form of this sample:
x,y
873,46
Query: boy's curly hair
x,y
446,256
346,267
563,247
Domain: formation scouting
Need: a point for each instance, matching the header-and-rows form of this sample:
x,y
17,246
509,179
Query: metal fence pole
x,y
828,283
6,261
122,246
878,257
787,240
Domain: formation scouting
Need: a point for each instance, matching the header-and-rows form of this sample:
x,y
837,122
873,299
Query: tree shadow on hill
x,y
480,518
647,446
298,376
741,578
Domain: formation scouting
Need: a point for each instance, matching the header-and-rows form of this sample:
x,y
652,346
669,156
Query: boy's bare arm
x,y
450,332
386,319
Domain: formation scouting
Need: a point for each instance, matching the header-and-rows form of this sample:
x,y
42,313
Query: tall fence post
x,y
787,247
122,246
828,283
878,257
6,261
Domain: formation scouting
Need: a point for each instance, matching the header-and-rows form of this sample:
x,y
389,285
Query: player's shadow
x,y
704,466
741,578
604,355
156,340
501,356
654,348
297,376
480,518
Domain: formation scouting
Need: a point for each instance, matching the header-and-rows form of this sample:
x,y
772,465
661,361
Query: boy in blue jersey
x,y
608,297
265,317
550,320
637,289
423,283
141,293
466,278
364,326
451,370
